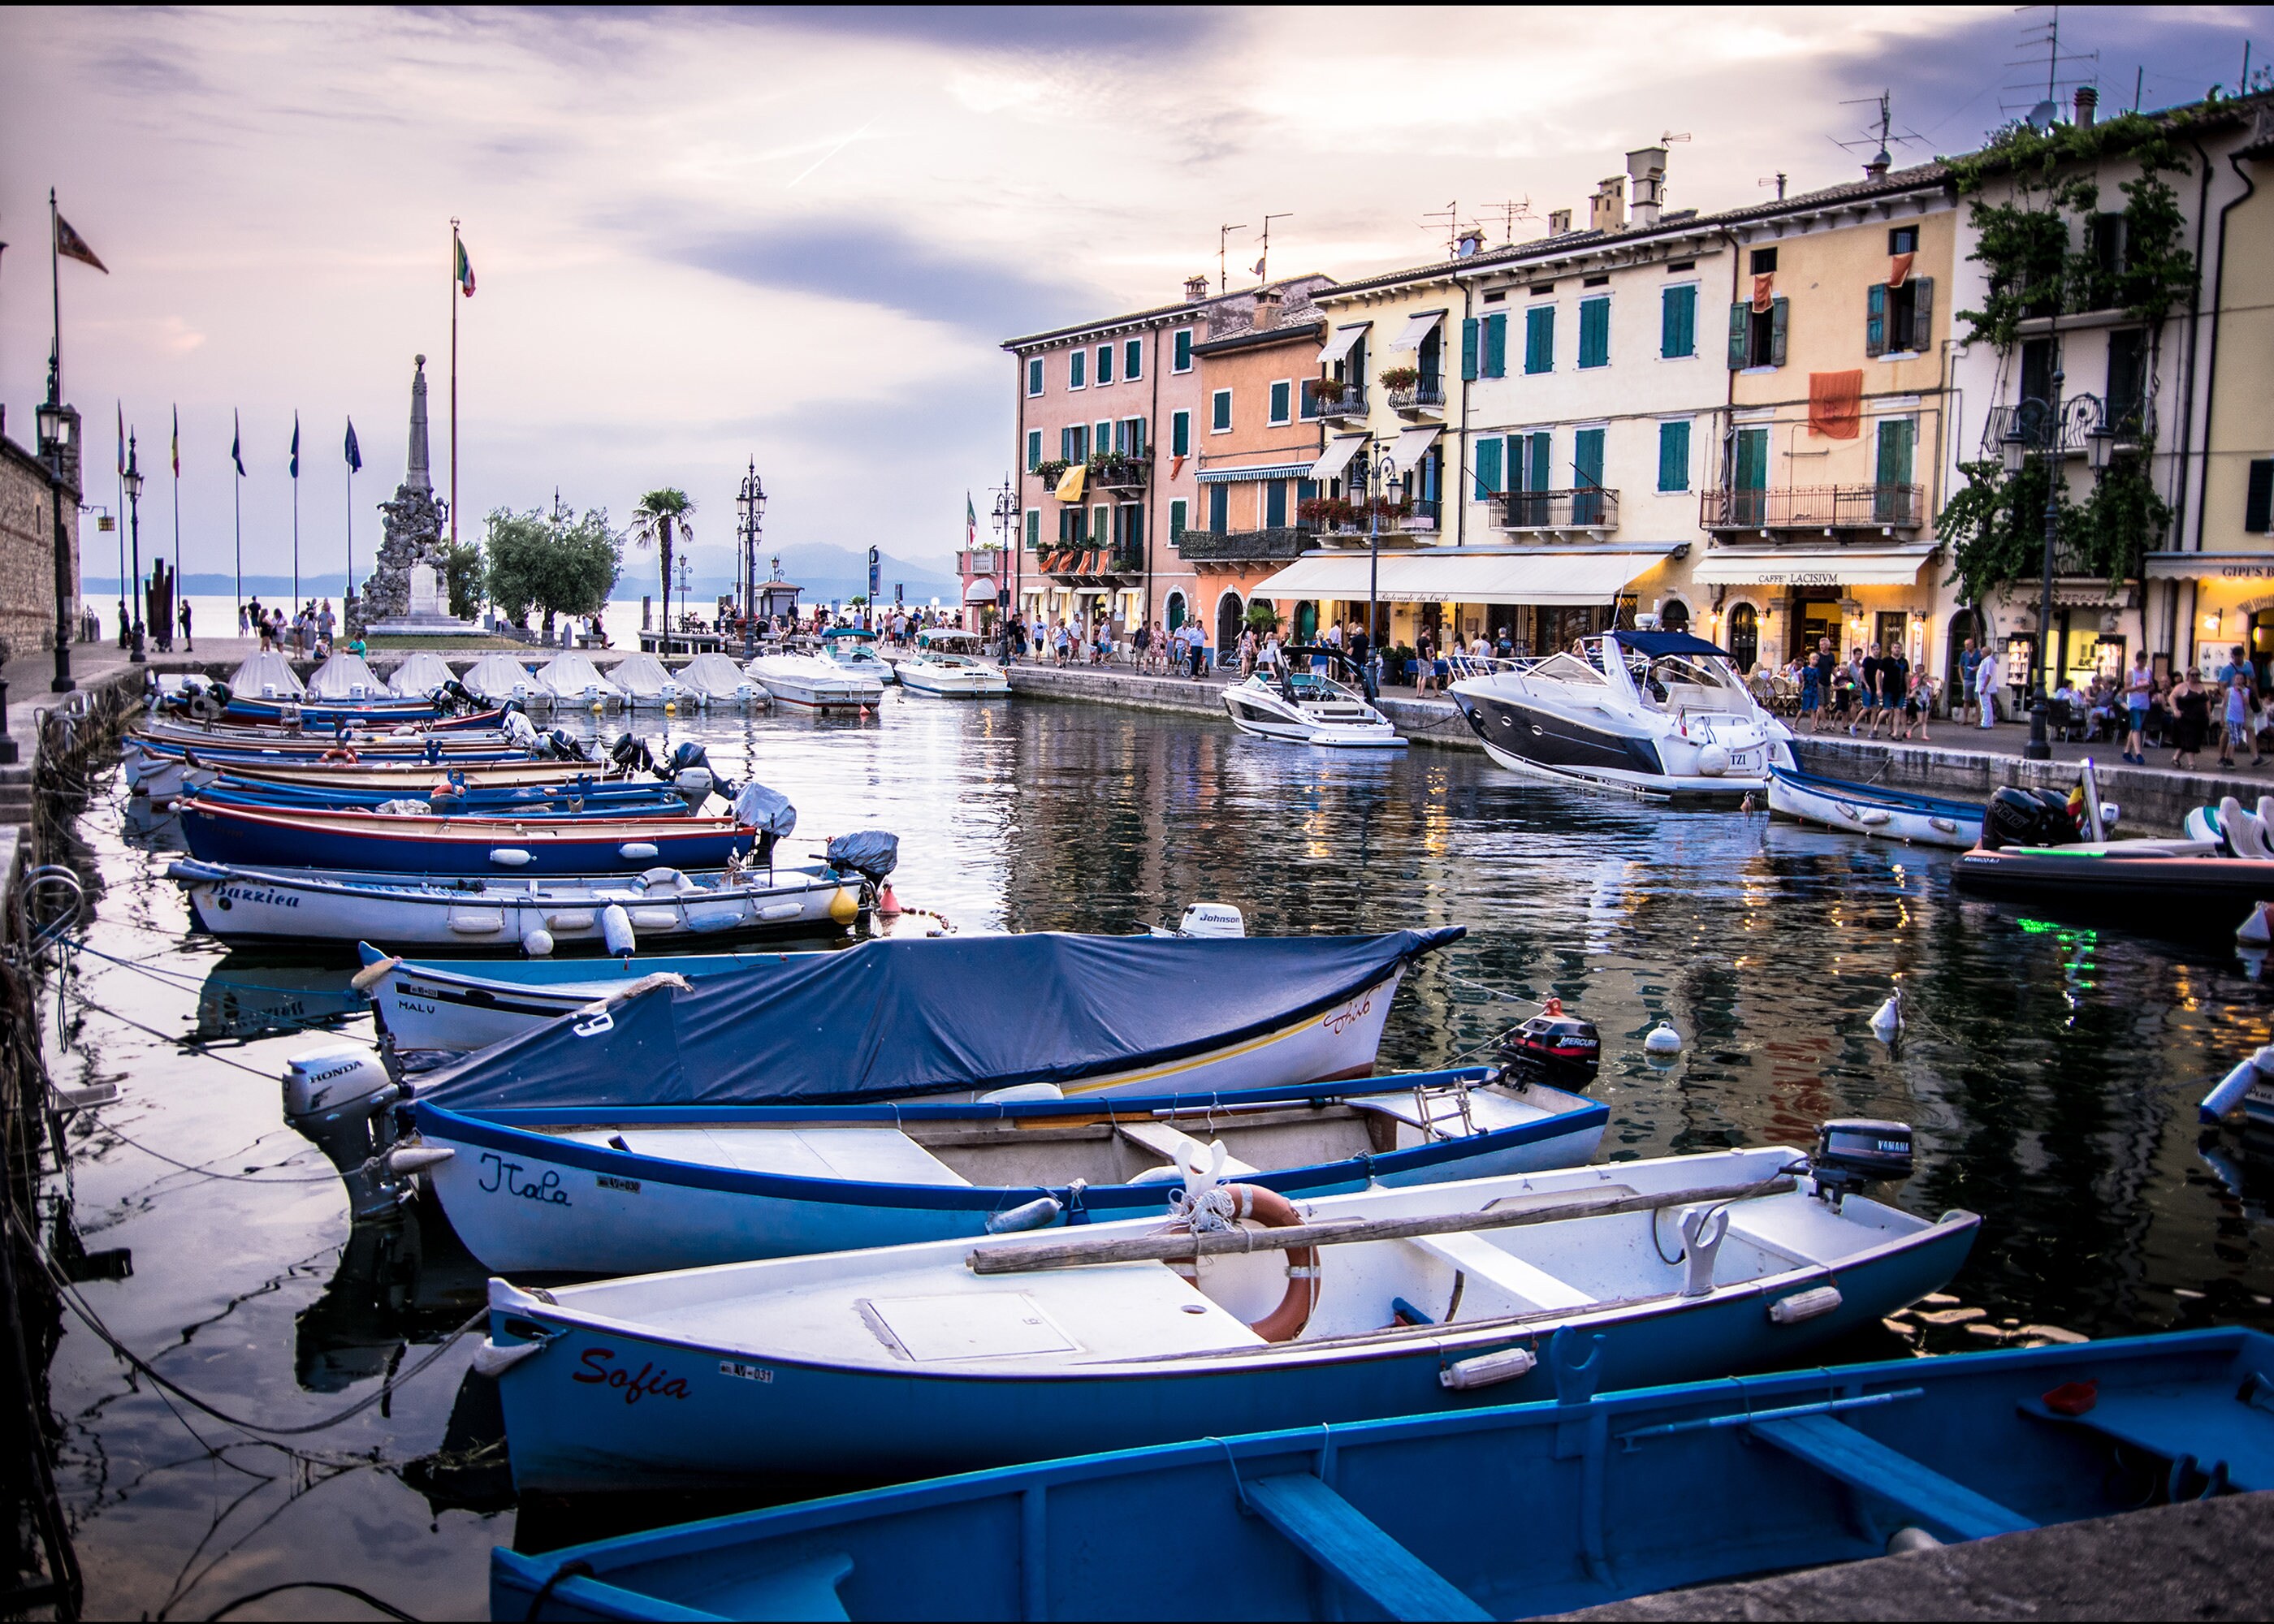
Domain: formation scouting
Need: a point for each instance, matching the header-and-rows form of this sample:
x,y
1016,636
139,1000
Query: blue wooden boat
x,y
464,844
947,1355
1875,809
453,796
664,1187
1510,1512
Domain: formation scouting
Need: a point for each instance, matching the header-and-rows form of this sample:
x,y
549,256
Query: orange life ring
x,y
1274,1211
340,753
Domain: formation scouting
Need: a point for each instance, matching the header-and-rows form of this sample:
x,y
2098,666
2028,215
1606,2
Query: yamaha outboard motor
x,y
2026,817
1855,1151
1560,1051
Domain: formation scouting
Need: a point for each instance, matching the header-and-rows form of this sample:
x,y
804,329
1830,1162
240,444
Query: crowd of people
x,y
308,634
1874,686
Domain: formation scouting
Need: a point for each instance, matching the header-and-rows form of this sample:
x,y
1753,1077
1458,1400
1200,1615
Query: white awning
x,y
1417,329
1343,342
2210,566
1340,450
979,592
1413,444
1792,567
1273,471
1451,576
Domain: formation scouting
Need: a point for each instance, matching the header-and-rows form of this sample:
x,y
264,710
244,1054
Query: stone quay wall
x,y
27,549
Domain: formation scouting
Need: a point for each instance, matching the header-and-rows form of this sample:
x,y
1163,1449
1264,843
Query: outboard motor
x,y
1560,1051
631,754
769,811
338,1098
564,748
2026,817
521,731
1855,1151
871,853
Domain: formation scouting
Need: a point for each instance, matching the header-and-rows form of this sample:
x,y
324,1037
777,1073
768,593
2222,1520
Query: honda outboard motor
x,y
337,1098
2026,817
1561,1050
1855,1151
869,853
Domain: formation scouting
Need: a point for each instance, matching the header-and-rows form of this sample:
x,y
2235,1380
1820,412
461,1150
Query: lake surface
x,y
2052,1072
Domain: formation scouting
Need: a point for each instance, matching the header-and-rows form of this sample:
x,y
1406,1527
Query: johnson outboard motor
x,y
2028,817
564,747
1852,1151
1558,1050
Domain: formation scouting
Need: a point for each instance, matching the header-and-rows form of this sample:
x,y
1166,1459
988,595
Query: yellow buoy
x,y
844,907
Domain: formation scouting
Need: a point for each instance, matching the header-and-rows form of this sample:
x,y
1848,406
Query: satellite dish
x,y
2041,116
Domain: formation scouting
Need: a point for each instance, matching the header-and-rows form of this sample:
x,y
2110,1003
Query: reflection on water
x,y
2052,1071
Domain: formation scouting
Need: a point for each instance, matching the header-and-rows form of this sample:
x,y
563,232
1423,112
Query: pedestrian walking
x,y
2139,693
2237,725
1985,689
189,643
2191,719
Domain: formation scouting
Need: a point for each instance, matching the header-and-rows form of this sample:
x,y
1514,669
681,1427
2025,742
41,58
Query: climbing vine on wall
x,y
1995,526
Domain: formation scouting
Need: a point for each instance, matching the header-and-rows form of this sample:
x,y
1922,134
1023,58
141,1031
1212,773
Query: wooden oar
x,y
1545,1207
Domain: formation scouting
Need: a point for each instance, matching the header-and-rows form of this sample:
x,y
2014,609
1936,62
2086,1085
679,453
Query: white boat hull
x,y
1850,814
918,675
814,684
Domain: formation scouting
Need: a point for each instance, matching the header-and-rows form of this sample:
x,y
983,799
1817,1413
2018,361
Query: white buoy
x,y
2258,929
1887,1019
537,942
1663,1040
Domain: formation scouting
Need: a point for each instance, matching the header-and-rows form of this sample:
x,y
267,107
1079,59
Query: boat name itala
x,y
499,1173
649,1383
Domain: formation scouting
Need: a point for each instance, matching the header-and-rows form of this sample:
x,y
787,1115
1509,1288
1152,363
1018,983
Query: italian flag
x,y
465,273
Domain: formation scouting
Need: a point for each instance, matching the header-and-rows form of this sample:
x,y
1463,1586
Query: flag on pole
x,y
970,521
465,273
354,451
71,245
237,443
178,442
296,444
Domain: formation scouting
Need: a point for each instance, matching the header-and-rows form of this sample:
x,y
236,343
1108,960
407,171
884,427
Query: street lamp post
x,y
1369,473
2044,433
751,506
1006,524
55,425
134,526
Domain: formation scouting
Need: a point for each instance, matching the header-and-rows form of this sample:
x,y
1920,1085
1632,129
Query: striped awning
x,y
1236,475
1557,579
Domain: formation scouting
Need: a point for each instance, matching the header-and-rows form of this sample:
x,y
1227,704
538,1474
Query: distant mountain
x,y
826,573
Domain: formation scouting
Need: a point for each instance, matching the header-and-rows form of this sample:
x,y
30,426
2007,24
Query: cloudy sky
x,y
800,234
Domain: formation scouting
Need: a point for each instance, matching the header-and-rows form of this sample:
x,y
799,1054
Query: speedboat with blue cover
x,y
1247,1313
1509,1512
1655,713
1874,809
671,1187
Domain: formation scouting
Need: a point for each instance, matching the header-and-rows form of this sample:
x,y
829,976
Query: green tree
x,y
463,570
550,563
654,521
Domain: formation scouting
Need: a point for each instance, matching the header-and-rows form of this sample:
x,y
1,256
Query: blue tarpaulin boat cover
x,y
888,1019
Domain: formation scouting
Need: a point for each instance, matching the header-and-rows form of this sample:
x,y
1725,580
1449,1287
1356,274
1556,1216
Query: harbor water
x,y
2052,1072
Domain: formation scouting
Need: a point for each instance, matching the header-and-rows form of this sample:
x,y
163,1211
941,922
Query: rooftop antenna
x,y
1776,180
1670,138
1452,215
1509,213
1223,234
2023,97
1882,135
1263,265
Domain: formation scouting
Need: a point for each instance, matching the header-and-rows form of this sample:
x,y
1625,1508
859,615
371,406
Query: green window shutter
x,y
1540,339
1495,356
1279,404
1219,509
1875,320
1222,407
1586,458
1184,358
1034,526
1896,437
1034,376
1677,322
1594,332
1105,364
1779,308
1180,434
1103,442
1076,367
1468,348
1921,334
1543,468
1487,468
1275,505
1100,526
1034,449
1673,456
1177,520
1132,360
1752,459
1137,437
2258,504
1741,327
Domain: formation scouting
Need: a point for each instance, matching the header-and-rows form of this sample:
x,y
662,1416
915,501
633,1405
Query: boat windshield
x,y
1311,685
1567,668
1689,682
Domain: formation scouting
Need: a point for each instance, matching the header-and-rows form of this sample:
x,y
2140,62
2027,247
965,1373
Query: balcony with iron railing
x,y
1348,402
1813,507
1118,471
2130,425
1424,398
1277,544
1590,508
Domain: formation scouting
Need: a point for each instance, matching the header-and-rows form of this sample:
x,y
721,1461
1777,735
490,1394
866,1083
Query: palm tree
x,y
652,523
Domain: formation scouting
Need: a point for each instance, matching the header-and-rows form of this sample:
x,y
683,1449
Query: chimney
x,y
1646,168
1267,307
1195,290
1606,210
1559,222
2088,103
1877,170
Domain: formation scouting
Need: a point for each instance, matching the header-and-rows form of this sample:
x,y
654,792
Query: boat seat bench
x,y
1163,1139
2179,1424
1482,1261
1840,1451
1353,1547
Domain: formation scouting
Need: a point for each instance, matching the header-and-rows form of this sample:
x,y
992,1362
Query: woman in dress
x,y
2191,719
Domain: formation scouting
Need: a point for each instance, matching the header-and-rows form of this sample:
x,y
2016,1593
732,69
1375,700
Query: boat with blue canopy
x,y
1250,1313
1874,809
1514,1511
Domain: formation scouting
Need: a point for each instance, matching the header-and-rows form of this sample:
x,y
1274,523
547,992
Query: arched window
x,y
1673,616
1306,621
1228,610
1176,611
1744,636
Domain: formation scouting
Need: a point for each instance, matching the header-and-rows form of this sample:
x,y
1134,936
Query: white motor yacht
x,y
798,674
1657,713
952,664
855,650
1308,706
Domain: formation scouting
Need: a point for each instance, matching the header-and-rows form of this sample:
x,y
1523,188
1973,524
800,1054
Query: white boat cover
x,y
345,676
571,673
713,676
498,676
642,676
264,671
421,673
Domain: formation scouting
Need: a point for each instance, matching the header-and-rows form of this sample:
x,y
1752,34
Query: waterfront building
x,y
1116,405
28,540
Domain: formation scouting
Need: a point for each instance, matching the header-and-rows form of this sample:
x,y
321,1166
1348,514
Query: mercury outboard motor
x,y
1560,1051
1855,1151
2028,817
